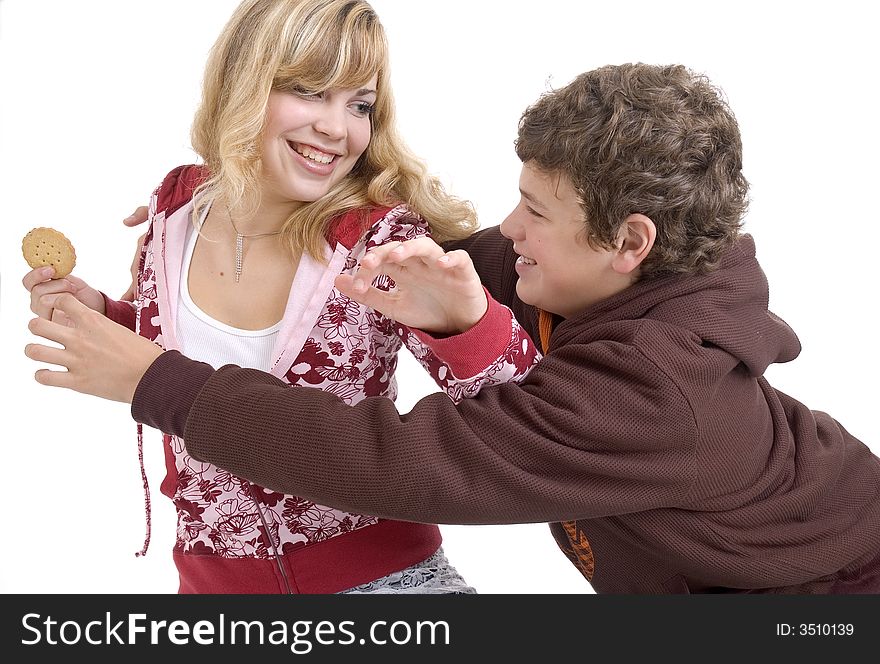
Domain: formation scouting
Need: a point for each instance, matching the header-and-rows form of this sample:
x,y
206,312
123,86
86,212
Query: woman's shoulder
x,y
398,224
374,225
177,187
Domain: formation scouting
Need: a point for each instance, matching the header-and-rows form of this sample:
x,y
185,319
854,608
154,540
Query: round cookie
x,y
46,246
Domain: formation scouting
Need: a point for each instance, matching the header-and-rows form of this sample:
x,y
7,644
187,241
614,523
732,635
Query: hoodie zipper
x,y
271,543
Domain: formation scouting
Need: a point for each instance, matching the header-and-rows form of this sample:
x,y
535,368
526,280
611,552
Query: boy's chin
x,y
523,293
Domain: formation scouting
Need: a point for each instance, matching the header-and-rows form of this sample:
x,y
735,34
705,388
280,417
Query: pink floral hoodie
x,y
234,536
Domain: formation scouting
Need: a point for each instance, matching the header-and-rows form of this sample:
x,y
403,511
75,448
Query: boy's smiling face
x,y
558,270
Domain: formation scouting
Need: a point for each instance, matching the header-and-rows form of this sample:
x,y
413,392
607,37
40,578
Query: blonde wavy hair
x,y
310,45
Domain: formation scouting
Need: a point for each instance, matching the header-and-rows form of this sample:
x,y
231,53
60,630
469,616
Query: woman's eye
x,y
533,212
362,108
306,94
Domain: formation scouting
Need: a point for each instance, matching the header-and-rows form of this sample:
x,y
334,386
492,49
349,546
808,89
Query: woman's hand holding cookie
x,y
52,257
41,284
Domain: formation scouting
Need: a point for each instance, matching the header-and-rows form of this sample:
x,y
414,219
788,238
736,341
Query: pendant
x,y
239,246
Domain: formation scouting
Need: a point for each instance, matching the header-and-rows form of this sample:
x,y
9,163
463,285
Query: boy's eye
x,y
533,212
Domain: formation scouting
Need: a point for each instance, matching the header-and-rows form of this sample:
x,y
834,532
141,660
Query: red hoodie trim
x,y
348,228
331,566
470,352
177,188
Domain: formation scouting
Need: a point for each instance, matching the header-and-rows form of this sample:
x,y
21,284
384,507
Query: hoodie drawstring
x,y
140,432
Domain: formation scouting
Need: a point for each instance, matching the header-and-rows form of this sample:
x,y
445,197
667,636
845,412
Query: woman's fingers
x,y
360,291
37,276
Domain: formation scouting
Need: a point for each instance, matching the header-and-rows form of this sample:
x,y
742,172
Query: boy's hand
x,y
139,216
42,287
434,291
102,358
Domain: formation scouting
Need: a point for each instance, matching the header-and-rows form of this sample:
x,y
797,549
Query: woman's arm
x,y
474,341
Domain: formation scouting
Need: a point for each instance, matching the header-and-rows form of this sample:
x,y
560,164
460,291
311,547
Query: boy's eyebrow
x,y
531,199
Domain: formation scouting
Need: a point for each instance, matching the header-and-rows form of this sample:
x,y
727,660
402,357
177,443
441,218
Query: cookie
x,y
46,246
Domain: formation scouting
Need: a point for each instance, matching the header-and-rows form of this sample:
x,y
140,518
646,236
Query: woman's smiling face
x,y
312,142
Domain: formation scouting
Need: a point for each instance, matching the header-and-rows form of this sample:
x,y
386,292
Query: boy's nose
x,y
511,228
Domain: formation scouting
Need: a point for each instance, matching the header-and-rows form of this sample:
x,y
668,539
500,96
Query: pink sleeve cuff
x,y
475,350
121,311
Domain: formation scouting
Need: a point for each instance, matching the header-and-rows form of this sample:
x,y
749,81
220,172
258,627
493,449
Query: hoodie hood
x,y
726,308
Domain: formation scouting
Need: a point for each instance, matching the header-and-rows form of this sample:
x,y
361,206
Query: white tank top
x,y
206,339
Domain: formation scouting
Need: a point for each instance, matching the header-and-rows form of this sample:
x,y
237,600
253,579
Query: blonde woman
x,y
303,174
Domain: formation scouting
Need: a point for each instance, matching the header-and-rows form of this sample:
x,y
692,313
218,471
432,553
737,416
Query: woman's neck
x,y
269,217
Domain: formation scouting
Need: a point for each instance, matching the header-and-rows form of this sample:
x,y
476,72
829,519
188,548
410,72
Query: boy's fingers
x,y
49,330
55,378
400,252
421,247
44,294
139,216
67,303
47,354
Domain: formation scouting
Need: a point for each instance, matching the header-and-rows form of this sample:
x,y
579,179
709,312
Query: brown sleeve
x,y
543,450
166,392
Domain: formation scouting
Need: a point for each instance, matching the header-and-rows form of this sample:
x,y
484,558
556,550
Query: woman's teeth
x,y
525,261
314,155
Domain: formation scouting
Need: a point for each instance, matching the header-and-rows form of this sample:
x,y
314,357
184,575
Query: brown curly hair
x,y
655,140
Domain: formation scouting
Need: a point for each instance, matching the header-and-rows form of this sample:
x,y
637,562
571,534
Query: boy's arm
x,y
592,430
595,429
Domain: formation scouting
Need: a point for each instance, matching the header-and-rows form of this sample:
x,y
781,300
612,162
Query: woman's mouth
x,y
312,153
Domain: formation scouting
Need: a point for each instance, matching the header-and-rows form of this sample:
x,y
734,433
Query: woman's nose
x,y
331,122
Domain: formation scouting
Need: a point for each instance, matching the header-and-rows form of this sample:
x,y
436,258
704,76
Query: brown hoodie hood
x,y
726,308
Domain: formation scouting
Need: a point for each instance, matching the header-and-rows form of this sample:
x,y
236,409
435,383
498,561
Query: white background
x,y
96,98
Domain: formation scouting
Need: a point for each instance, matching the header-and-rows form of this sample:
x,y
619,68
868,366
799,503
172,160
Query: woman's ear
x,y
635,240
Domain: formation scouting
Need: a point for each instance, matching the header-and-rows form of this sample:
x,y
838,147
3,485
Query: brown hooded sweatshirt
x,y
647,435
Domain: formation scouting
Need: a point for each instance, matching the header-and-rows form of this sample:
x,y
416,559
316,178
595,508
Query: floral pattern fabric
x,y
351,352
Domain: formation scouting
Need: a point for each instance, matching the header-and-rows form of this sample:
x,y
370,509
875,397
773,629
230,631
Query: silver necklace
x,y
239,244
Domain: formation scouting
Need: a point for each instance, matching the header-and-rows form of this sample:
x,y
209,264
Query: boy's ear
x,y
635,240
